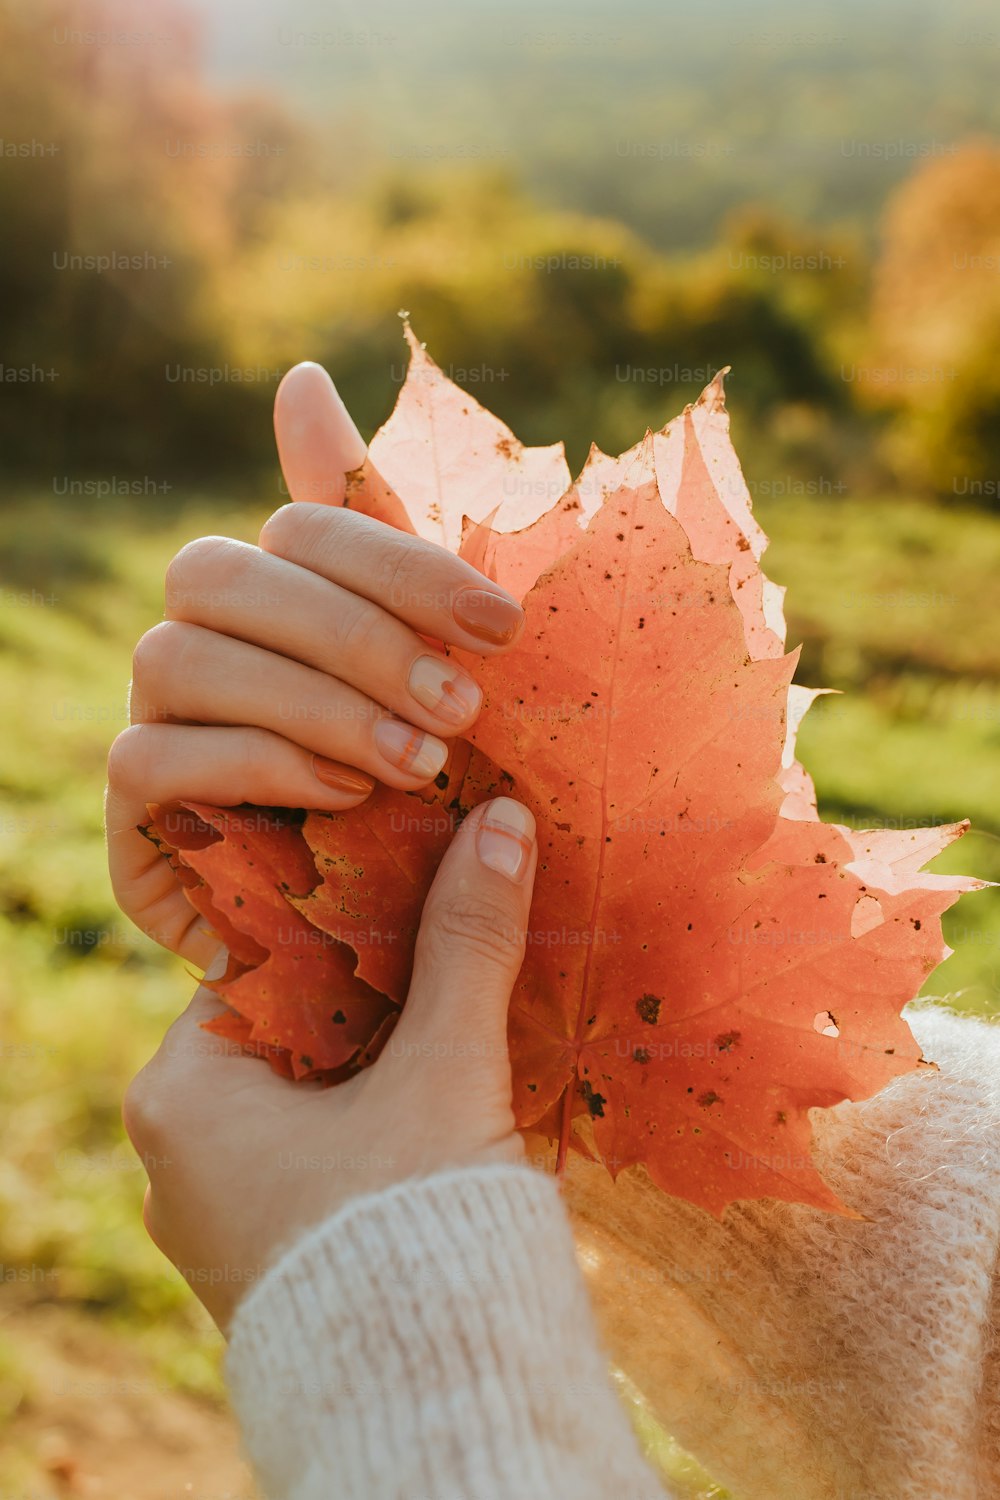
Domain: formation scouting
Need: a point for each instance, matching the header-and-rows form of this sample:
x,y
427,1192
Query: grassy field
x,y
896,605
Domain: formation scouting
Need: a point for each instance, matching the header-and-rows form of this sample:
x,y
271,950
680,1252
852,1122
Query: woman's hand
x,y
293,673
242,1162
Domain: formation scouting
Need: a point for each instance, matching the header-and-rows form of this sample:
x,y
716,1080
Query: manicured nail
x,y
331,774
414,752
489,617
505,836
441,687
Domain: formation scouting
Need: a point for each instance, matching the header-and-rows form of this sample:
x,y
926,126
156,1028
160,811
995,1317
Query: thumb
x,y
472,937
318,443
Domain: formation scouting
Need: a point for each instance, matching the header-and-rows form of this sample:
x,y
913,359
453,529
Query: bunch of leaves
x,y
706,960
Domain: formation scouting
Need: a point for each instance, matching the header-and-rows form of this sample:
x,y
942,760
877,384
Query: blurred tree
x,y
137,191
936,324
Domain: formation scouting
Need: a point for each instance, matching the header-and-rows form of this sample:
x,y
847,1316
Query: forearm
x,y
433,1340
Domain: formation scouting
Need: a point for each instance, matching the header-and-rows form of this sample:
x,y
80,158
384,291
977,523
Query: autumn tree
x,y
936,323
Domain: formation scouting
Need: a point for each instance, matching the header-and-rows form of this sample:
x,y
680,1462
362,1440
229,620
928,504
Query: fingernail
x,y
414,752
443,689
489,617
504,837
339,778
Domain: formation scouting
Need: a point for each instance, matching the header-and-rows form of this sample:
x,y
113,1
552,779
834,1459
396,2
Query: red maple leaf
x,y
706,960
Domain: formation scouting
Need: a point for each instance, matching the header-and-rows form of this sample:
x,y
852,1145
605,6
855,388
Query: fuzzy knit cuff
x,y
433,1341
804,1356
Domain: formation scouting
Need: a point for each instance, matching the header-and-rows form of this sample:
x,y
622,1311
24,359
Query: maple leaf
x,y
292,988
706,960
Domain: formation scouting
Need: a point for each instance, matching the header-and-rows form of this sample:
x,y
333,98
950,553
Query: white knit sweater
x,y
435,1342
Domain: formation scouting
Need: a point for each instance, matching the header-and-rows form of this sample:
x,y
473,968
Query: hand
x,y
293,673
242,1162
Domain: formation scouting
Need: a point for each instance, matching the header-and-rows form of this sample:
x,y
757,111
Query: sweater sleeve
x,y
433,1341
800,1353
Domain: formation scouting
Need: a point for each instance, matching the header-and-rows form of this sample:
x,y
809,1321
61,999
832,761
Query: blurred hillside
x,y
586,222
664,116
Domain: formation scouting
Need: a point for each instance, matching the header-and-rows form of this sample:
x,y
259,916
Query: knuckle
x,y
476,924
358,629
129,758
400,574
121,757
154,649
255,748
286,532
144,1117
279,526
188,569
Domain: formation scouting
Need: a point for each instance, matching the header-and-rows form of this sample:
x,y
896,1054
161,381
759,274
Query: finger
x,y
425,585
295,613
318,443
207,678
159,763
471,941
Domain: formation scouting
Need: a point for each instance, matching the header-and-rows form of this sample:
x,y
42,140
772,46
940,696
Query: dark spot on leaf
x,y
820,859
727,1041
641,1054
238,900
648,1007
709,1098
916,923
338,1018
441,779
593,1101
306,1062
532,1088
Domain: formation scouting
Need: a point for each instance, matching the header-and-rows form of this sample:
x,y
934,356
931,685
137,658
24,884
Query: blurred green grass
x,y
891,599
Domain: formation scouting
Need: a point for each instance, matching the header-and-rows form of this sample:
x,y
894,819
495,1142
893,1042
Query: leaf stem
x,y
564,1129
